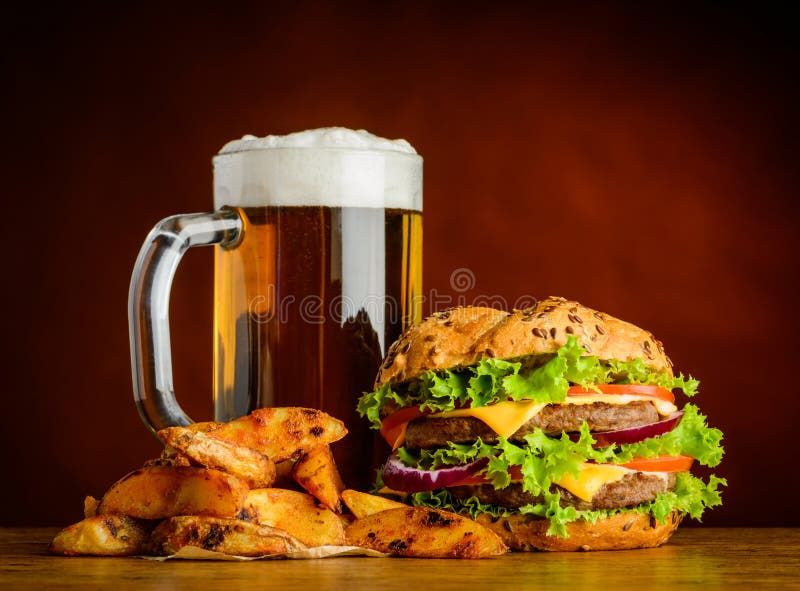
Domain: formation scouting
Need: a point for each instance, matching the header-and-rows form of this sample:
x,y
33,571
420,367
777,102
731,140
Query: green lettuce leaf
x,y
454,455
442,389
370,405
540,378
442,499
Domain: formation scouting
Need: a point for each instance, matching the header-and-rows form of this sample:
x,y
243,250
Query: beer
x,y
306,304
325,275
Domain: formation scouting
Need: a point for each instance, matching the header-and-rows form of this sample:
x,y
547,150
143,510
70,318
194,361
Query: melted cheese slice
x,y
591,478
505,418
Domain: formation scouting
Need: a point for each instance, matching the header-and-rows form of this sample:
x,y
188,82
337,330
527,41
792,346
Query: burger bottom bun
x,y
623,531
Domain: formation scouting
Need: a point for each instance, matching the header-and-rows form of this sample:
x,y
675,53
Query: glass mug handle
x,y
148,308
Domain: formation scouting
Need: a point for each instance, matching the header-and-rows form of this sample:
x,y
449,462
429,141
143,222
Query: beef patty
x,y
554,419
632,489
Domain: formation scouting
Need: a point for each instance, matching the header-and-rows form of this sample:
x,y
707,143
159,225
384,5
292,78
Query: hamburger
x,y
556,426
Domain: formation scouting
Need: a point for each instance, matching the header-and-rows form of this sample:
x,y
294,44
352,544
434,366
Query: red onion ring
x,y
634,434
398,476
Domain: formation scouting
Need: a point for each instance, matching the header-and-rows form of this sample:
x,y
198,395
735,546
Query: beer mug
x,y
318,245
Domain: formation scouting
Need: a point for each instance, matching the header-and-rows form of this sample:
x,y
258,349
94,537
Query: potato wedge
x,y
363,504
229,536
159,492
107,535
317,473
253,467
282,433
422,532
90,507
296,513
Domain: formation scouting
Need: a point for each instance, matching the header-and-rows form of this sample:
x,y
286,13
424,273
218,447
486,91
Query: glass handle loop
x,y
148,308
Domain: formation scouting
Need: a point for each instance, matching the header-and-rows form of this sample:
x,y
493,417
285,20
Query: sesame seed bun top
x,y
461,337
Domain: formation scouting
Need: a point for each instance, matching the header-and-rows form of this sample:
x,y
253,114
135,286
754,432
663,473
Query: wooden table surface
x,y
721,558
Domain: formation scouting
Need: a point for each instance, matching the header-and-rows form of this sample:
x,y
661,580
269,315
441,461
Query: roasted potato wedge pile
x,y
209,489
215,487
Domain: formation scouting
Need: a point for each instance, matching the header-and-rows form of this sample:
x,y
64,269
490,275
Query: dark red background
x,y
640,161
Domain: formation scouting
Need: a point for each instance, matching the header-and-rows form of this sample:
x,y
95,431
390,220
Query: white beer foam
x,y
332,166
325,137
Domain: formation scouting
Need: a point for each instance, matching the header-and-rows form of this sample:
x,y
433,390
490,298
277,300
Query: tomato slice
x,y
393,427
661,464
622,389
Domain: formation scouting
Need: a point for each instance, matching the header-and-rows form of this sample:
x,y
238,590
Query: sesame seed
x,y
575,318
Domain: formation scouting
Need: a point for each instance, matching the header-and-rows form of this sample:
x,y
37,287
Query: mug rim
x,y
389,153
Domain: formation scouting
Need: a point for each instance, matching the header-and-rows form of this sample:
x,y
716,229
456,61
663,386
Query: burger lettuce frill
x,y
543,460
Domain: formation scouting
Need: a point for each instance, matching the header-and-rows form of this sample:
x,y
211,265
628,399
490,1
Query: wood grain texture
x,y
708,558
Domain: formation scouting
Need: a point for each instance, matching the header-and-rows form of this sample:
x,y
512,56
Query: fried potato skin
x,y
363,504
316,472
296,513
228,536
159,492
282,433
168,458
204,426
105,535
421,532
253,467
